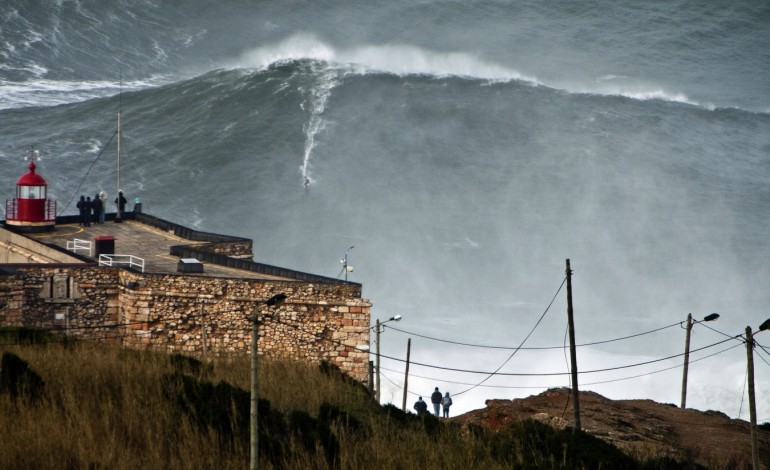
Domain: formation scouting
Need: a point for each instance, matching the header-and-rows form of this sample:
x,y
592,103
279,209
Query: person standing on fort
x,y
121,201
435,398
446,402
420,407
81,205
103,199
89,207
97,206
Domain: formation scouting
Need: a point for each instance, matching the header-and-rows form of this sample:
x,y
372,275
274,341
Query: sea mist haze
x,y
465,150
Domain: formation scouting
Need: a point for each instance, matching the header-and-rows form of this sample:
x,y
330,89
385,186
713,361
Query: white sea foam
x,y
34,69
44,92
396,59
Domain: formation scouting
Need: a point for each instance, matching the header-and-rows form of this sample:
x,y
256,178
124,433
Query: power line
x,y
74,195
533,347
522,342
743,391
717,331
462,383
546,374
588,383
662,370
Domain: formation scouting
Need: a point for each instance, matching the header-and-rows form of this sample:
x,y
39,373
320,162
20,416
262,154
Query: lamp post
x,y
378,331
752,404
690,323
277,299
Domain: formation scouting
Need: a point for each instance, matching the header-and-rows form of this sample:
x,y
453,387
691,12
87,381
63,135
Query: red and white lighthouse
x,y
31,210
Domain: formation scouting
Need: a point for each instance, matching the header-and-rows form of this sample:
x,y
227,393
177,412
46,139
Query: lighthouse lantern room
x,y
31,210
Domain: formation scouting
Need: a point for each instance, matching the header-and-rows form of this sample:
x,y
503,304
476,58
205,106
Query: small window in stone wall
x,y
60,286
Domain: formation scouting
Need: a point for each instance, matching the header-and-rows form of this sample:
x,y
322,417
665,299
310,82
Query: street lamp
x,y
752,404
277,299
690,323
378,331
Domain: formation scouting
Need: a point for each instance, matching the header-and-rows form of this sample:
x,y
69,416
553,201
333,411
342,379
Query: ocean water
x,y
465,150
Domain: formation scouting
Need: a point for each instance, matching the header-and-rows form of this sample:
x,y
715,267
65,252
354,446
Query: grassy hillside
x,y
80,405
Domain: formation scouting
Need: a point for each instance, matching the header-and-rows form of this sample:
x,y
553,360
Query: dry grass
x,y
109,408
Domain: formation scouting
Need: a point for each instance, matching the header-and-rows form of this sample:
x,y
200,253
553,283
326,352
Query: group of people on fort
x,y
94,210
437,400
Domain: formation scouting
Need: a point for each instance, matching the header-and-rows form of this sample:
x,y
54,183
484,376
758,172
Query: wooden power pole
x,y
406,373
377,357
752,403
572,353
371,378
686,360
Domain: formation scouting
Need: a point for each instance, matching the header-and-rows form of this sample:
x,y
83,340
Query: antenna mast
x,y
118,212
120,109
119,132
345,267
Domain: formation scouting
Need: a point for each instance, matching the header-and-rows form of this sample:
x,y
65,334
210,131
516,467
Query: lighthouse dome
x,y
31,178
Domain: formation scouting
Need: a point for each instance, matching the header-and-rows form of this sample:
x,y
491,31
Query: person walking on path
x,y
435,398
120,201
446,402
97,206
81,205
103,199
420,407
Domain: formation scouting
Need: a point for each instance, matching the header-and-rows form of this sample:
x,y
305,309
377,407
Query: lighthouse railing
x,y
50,210
12,210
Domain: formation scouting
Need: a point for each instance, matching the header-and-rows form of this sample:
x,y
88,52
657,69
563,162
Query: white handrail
x,y
78,244
131,260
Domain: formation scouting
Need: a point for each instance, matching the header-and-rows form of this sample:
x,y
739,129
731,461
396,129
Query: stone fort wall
x,y
192,315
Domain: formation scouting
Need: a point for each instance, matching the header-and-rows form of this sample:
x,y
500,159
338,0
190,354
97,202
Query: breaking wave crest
x,y
401,60
405,60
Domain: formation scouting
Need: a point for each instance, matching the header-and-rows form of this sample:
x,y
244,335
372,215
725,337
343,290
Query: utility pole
x,y
377,340
371,378
690,323
277,299
254,441
203,332
752,403
572,352
686,359
406,373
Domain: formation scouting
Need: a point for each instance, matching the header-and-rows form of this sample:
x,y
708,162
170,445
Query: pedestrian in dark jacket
x,y
420,407
89,208
435,398
96,204
120,201
81,205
